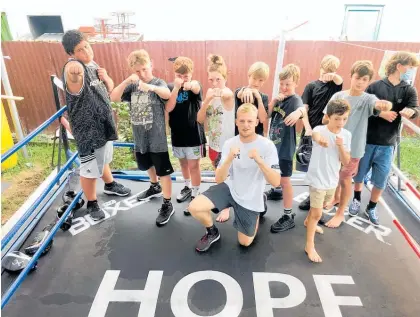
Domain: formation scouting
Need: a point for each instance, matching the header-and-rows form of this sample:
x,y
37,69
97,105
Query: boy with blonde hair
x,y
316,96
383,130
243,171
331,148
187,134
285,110
363,106
147,96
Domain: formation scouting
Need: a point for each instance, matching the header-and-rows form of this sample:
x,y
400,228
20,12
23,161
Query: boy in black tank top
x,y
87,88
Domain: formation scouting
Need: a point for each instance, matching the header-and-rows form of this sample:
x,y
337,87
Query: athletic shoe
x,y
306,204
354,208
117,189
186,212
265,206
151,192
372,215
286,222
274,194
185,193
207,240
96,212
165,214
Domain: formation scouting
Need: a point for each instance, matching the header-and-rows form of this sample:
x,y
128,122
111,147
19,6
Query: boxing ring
x,y
124,265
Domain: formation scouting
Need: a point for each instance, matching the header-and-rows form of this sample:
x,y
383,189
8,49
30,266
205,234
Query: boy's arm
x,y
411,110
161,90
262,112
305,121
344,154
202,113
74,75
103,75
171,103
292,118
118,91
337,79
270,175
228,155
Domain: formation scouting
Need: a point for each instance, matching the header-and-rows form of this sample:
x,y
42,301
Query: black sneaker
x,y
265,205
274,194
207,240
96,213
117,189
165,214
186,212
152,191
185,193
286,222
306,204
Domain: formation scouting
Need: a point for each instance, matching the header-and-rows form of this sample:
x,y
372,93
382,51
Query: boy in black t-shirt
x,y
187,134
87,88
316,95
257,75
285,110
383,130
147,96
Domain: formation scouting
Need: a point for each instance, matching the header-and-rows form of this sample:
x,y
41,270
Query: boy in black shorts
x,y
147,96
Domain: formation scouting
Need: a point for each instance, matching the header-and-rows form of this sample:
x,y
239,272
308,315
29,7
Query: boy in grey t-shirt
x,y
363,106
247,159
147,96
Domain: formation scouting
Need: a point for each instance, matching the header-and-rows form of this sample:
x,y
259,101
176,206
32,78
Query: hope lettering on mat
x,y
265,305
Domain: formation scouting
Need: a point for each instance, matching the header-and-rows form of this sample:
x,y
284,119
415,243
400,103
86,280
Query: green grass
x,y
410,158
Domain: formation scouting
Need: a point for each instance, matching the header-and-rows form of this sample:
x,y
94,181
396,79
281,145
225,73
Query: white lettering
x,y
356,222
379,232
330,302
265,303
234,296
132,202
107,293
79,224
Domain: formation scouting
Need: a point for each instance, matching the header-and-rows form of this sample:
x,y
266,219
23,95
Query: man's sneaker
x,y
306,204
186,212
96,212
354,208
274,194
286,222
165,214
265,206
117,189
207,240
185,193
152,191
372,215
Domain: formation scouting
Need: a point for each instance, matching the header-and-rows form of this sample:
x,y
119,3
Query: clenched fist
x,y
234,151
178,83
254,155
187,85
407,113
102,74
384,105
247,95
339,140
133,78
322,141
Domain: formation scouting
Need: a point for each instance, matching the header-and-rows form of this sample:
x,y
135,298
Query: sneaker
x,y
151,192
165,214
186,212
265,206
185,193
207,240
286,222
354,208
373,217
306,204
117,189
96,212
274,194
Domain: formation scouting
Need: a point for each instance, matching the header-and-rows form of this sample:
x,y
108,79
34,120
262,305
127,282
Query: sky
x,y
220,19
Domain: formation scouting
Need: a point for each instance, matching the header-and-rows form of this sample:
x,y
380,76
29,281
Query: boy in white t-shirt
x,y
331,148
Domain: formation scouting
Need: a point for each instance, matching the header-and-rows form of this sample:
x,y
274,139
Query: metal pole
x,y
399,157
12,105
279,62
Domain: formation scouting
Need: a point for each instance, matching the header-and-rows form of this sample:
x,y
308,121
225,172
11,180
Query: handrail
x,y
411,125
29,212
33,134
12,289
